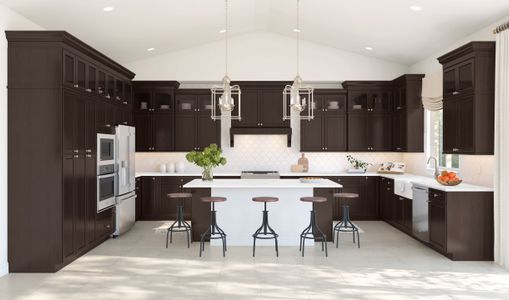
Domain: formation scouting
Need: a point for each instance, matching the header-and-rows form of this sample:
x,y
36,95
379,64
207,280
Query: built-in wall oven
x,y
106,172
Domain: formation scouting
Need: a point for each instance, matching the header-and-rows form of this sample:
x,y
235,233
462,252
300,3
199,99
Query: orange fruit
x,y
452,174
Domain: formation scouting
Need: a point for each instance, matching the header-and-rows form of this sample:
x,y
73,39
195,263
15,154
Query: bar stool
x,y
346,225
180,225
265,232
313,231
214,231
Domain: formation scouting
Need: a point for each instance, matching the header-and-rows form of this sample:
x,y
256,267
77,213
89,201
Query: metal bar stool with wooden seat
x,y
214,231
346,225
313,231
180,224
265,232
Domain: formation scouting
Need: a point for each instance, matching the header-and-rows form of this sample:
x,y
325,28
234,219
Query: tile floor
x,y
390,265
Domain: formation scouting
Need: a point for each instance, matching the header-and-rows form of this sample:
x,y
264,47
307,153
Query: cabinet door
x,y
271,109
334,104
128,93
311,134
80,203
466,125
358,101
119,90
162,131
465,73
407,215
386,195
449,81
208,132
101,82
335,132
69,71
90,197
437,225
143,124
68,206
185,104
104,224
92,79
139,200
324,211
110,86
380,132
380,101
150,205
168,210
354,184
370,198
74,124
357,132
249,110
163,102
90,126
451,130
185,132
81,74
399,131
111,116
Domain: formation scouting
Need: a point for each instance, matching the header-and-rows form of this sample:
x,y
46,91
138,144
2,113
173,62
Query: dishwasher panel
x,y
420,225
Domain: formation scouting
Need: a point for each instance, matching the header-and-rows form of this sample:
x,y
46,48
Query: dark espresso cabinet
x,y
408,114
366,206
154,115
262,105
369,115
327,131
469,97
386,192
194,127
59,99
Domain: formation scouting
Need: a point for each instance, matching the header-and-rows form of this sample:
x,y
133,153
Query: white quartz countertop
x,y
414,179
260,184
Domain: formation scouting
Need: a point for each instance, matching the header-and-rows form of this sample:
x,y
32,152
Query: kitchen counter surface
x,y
414,179
261,184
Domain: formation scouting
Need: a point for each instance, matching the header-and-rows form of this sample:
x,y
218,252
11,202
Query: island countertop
x,y
261,183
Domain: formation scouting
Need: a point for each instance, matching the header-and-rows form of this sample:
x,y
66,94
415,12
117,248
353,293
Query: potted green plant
x,y
358,166
207,159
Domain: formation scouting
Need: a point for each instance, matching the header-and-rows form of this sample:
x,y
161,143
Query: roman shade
x,y
432,91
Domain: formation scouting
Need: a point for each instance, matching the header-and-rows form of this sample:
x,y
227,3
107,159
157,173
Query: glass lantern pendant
x,y
225,96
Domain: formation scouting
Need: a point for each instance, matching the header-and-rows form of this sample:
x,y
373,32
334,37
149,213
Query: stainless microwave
x,y
105,150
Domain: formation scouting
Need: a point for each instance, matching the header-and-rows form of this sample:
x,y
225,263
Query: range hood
x,y
261,131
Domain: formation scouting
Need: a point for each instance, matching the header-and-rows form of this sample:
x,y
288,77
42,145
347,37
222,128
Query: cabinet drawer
x,y
105,223
437,197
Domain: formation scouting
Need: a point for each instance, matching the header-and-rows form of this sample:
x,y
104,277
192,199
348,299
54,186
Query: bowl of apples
x,y
448,178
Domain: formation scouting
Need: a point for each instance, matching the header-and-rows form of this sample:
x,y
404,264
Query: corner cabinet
x,y
469,97
194,127
369,115
327,131
154,103
53,132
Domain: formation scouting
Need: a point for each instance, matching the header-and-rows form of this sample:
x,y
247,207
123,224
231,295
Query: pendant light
x,y
297,96
225,96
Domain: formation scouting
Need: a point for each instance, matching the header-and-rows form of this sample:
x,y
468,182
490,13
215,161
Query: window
x,y
434,138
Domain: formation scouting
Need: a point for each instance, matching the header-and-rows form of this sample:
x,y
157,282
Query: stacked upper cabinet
x,y
468,96
53,132
154,108
327,131
408,114
369,115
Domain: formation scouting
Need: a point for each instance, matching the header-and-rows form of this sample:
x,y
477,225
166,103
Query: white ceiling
x,y
395,32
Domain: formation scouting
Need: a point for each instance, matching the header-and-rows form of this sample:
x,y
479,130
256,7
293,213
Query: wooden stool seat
x,y
313,199
346,195
179,195
213,199
265,199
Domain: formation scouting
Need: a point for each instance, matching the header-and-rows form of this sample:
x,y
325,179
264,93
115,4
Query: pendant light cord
x,y
298,36
226,38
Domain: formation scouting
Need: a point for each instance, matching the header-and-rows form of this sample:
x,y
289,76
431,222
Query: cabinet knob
x,y
100,90
89,155
125,102
261,124
75,85
107,125
118,98
435,195
108,226
88,150
108,97
76,151
455,93
198,109
455,149
388,189
88,90
76,156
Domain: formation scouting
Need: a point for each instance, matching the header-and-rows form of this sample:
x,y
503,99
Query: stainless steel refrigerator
x,y
124,163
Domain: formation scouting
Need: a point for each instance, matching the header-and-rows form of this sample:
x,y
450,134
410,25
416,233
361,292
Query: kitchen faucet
x,y
436,165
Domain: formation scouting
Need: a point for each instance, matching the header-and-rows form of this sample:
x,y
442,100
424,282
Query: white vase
x,y
180,167
162,168
170,167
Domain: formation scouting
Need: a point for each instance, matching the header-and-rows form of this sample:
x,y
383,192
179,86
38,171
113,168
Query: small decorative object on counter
x,y
180,167
304,162
170,167
358,166
207,159
297,168
162,168
448,178
392,168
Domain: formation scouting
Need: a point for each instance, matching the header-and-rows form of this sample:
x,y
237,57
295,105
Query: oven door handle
x,y
105,176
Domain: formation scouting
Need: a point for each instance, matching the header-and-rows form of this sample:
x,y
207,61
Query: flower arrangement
x,y
357,164
207,159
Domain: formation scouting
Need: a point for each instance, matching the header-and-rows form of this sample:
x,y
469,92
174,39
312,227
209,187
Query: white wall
x,y
9,20
473,169
264,56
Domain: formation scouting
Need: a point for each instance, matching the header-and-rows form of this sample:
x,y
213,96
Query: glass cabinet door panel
x,y
205,104
111,87
334,103
92,79
81,74
142,101
101,82
119,90
127,94
380,101
185,103
69,62
162,101
358,101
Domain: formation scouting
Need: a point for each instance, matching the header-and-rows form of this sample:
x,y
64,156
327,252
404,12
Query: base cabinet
x,y
366,206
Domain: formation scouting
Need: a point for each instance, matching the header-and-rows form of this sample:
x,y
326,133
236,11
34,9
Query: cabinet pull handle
x,y
401,198
435,195
455,93
125,102
398,108
88,150
88,90
455,149
107,125
108,226
76,151
76,156
75,85
388,189
125,123
89,155
108,97
118,98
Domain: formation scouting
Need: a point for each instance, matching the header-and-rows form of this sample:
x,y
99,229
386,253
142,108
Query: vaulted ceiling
x,y
394,31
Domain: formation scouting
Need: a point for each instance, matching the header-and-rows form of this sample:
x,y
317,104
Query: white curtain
x,y
501,208
432,91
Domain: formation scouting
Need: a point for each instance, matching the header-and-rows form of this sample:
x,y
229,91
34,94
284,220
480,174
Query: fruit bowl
x,y
448,179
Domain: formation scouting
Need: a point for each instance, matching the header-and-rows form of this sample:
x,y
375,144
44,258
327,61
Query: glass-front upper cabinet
x,y
358,101
162,101
334,103
101,82
110,87
380,101
69,69
205,104
119,90
142,101
128,90
185,103
81,74
92,79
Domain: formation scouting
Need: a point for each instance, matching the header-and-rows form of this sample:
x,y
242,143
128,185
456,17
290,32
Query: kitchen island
x,y
239,216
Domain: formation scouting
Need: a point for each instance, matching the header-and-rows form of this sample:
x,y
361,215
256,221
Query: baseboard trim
x,y
4,269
